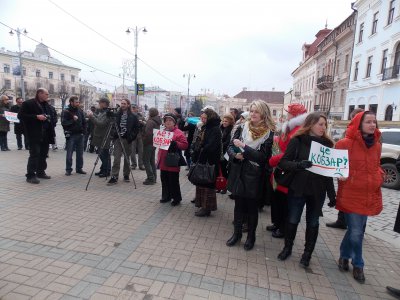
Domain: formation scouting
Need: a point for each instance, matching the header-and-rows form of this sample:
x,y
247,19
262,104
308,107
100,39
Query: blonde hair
x,y
230,118
265,112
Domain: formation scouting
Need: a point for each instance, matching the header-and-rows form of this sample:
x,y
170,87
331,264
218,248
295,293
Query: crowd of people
x,y
243,147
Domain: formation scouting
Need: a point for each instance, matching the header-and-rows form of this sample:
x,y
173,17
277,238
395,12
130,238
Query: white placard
x,y
11,117
328,161
162,138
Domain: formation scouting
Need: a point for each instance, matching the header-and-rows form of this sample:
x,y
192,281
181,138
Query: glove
x,y
332,202
304,164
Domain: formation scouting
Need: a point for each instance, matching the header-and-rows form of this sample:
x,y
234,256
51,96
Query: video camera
x,y
111,112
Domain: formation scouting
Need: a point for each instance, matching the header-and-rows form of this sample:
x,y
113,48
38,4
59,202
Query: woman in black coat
x,y
249,152
226,128
306,189
209,151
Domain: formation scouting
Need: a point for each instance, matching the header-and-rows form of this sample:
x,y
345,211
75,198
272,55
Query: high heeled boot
x,y
251,235
311,239
290,235
237,231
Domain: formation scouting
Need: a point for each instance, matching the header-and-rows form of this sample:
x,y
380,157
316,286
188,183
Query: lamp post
x,y
21,71
188,89
136,31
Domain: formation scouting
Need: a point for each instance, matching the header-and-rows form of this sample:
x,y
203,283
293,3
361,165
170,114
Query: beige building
x,y
39,69
333,62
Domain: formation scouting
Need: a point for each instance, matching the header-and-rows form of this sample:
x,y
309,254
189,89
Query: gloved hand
x,y
304,164
332,202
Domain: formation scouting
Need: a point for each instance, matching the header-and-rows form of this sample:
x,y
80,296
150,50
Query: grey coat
x,y
101,123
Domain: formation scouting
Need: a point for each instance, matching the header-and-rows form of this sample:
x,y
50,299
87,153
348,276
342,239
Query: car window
x,y
391,138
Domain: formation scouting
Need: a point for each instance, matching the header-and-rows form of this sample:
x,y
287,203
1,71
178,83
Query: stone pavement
x,y
58,241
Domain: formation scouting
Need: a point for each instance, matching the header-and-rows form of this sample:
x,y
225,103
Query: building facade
x,y
333,61
374,78
40,70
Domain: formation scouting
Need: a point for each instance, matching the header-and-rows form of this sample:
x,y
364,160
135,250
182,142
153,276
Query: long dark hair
x,y
309,122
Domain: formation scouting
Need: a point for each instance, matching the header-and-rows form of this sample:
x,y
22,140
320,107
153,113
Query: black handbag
x,y
283,178
172,159
201,174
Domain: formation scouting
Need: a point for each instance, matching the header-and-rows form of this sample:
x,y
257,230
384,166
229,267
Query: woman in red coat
x,y
297,113
170,175
359,195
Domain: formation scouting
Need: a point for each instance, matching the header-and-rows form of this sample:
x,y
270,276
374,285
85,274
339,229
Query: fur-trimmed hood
x,y
294,122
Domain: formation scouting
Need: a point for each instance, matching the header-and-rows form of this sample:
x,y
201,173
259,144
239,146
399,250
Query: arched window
x,y
389,113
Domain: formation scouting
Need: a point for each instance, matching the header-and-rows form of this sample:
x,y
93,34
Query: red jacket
x,y
361,192
182,144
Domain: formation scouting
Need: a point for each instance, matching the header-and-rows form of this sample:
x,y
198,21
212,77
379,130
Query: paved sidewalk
x,y
58,241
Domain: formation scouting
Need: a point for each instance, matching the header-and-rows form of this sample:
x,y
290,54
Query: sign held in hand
x,y
328,161
11,117
162,138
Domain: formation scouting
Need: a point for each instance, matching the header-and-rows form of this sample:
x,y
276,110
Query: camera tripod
x,y
112,125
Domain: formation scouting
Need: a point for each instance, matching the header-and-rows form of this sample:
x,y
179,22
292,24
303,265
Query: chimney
x,y
244,89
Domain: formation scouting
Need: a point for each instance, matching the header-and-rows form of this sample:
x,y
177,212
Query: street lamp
x,y
18,31
136,31
188,90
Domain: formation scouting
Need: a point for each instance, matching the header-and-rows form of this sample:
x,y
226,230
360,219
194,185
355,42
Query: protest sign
x,y
11,117
328,161
162,138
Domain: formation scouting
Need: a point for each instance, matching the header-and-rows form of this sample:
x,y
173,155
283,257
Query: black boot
x,y
251,235
290,235
237,232
311,239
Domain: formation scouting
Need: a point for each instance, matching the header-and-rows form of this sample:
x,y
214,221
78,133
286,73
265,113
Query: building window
x,y
72,78
73,90
360,33
375,23
25,85
384,60
51,75
24,71
38,85
369,67
356,71
52,101
51,88
373,108
362,106
274,112
337,66
346,62
37,73
7,84
341,100
6,68
391,12
62,77
389,113
351,108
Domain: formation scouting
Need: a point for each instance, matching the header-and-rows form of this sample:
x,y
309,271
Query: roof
x,y
267,96
311,49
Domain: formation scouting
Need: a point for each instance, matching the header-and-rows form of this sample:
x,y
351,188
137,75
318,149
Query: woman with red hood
x,y
359,195
297,113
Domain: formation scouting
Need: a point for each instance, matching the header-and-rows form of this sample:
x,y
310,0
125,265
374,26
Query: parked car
x,y
389,156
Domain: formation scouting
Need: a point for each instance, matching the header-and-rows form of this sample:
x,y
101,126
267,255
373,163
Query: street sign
x,y
140,89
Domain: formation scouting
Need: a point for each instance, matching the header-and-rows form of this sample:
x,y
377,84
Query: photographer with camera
x,y
101,121
74,124
36,117
126,131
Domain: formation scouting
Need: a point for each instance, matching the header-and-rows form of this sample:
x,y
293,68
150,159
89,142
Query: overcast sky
x,y
227,44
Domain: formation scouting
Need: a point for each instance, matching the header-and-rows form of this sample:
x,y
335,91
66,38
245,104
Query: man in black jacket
x,y
36,117
19,127
74,124
128,128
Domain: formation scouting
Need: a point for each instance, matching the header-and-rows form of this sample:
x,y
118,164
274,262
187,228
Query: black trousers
x,y
19,140
37,158
246,206
170,188
3,140
279,210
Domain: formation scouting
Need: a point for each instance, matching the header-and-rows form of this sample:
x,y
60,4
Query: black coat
x,y
36,130
132,126
397,224
18,127
226,137
246,177
190,128
305,182
73,126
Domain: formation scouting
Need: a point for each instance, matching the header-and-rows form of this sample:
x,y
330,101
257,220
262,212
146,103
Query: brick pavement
x,y
58,241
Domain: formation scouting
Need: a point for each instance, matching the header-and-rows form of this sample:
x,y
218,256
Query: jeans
x,y
296,206
74,142
37,158
118,152
105,158
149,161
351,246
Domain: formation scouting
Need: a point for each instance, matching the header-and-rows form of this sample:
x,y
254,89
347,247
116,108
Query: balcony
x,y
391,73
297,94
322,108
325,82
